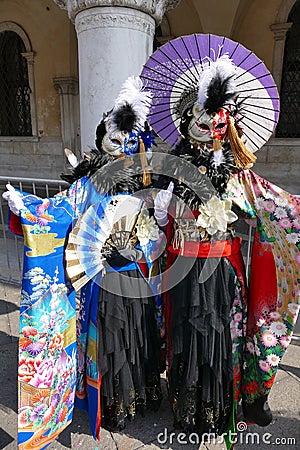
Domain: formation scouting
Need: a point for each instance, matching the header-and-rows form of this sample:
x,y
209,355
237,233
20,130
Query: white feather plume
x,y
140,100
224,67
72,158
218,157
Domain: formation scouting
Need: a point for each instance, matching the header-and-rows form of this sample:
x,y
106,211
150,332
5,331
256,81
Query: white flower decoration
x,y
257,350
280,213
274,315
259,203
293,238
215,215
296,223
293,308
273,359
280,201
250,347
278,328
146,228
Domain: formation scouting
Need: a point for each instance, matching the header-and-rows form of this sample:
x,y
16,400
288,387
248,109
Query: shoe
x,y
258,412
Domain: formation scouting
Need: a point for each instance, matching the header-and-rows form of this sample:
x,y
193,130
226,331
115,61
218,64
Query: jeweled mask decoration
x,y
126,122
117,143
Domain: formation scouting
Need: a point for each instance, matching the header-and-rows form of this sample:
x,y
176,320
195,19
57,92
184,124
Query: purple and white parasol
x,y
174,69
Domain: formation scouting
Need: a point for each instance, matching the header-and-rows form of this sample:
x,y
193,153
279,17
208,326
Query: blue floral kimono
x,y
51,362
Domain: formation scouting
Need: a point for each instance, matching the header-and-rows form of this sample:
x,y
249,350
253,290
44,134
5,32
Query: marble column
x,y
115,39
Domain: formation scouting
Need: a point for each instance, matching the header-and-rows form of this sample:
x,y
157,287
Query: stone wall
x,y
279,162
32,157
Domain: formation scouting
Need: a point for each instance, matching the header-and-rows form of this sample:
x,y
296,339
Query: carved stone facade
x,y
110,18
280,31
155,8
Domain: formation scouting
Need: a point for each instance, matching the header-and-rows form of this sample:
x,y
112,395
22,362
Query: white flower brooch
x,y
215,215
146,228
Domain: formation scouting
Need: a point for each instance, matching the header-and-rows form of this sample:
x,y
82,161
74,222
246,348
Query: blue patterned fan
x,y
97,232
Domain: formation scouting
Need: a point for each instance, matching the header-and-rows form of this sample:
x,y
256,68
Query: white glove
x,y
161,204
14,199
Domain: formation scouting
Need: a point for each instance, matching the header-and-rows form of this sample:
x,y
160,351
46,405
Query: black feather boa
x,y
87,166
108,174
195,183
218,175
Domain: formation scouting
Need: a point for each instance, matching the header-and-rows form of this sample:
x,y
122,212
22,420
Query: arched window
x,y
289,123
15,114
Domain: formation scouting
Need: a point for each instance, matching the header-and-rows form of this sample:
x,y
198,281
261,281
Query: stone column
x,y
30,61
67,88
280,30
115,39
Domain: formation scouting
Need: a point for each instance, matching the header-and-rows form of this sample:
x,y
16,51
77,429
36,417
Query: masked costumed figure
x,y
216,103
107,358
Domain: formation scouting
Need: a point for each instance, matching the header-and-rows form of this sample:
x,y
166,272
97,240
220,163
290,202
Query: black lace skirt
x,y
128,349
201,373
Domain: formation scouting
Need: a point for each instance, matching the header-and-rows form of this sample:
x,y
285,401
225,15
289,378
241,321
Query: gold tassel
x,y
217,145
144,164
244,159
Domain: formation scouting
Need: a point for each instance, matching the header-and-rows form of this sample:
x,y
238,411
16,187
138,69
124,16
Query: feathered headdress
x,y
131,107
129,114
216,86
217,89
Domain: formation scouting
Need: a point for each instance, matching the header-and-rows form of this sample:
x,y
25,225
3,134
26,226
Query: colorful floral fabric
x,y
274,291
47,344
58,346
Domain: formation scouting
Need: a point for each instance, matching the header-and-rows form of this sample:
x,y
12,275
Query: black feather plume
x,y
217,94
125,118
100,133
109,175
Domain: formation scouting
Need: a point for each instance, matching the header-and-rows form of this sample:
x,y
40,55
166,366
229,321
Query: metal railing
x,y
11,246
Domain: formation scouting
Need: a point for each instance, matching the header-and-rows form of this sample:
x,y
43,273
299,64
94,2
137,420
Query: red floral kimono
x,y
262,316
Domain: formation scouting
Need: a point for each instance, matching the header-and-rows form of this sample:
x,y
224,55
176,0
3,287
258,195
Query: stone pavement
x,y
154,431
